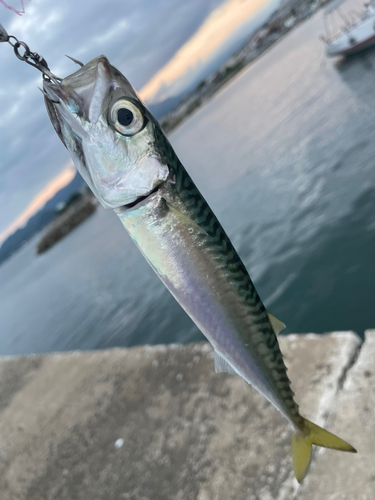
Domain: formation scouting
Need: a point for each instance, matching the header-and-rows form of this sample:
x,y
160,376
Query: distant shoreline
x,y
282,21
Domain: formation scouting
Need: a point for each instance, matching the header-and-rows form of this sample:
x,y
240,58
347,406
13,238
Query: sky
x,y
161,46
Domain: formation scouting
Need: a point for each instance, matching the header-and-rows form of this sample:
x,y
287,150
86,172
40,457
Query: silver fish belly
x,y
205,275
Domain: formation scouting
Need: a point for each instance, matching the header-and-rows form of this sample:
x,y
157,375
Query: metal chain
x,y
32,58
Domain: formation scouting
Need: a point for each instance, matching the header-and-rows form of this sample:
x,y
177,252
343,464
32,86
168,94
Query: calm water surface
x,y
285,155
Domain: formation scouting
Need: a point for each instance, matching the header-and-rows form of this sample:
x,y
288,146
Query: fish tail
x,y
309,435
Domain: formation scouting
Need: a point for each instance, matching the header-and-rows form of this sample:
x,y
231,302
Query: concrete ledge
x,y
354,416
158,423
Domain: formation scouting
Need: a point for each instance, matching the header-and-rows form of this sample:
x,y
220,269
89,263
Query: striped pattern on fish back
x,y
227,258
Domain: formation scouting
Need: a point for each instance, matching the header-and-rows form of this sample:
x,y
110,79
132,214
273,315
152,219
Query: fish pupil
x,y
124,116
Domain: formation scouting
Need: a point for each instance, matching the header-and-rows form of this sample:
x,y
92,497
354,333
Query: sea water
x,y
285,155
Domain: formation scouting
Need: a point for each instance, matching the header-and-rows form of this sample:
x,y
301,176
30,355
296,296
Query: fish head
x,y
109,133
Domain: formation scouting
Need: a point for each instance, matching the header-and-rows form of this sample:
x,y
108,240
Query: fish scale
x,y
227,258
131,167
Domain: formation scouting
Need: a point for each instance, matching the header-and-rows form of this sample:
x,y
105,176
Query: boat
x,y
357,35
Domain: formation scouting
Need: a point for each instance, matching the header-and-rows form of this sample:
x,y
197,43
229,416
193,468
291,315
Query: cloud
x,y
139,37
40,200
219,25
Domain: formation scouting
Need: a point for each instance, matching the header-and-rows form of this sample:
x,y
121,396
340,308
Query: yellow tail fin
x,y
301,446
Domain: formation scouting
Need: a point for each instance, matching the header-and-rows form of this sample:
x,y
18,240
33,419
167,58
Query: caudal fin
x,y
301,446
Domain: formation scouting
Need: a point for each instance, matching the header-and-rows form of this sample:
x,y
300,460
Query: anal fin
x,y
222,365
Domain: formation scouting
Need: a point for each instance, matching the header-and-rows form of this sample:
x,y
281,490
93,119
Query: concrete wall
x,y
158,423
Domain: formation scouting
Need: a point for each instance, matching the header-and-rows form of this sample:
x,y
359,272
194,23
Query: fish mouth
x,y
85,91
82,91
122,172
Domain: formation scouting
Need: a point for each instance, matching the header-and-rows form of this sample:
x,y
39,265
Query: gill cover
x,y
108,131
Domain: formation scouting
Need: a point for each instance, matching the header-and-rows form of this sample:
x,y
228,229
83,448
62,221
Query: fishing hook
x,y
75,60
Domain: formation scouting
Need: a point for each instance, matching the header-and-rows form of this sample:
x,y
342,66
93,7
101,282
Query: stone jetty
x,y
158,423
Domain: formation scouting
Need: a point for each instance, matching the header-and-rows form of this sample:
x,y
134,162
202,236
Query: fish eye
x,y
126,117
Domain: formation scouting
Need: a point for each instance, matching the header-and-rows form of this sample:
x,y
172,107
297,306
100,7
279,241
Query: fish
x,y
127,161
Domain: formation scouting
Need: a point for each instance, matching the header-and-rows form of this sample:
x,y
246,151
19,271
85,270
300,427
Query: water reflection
x,y
332,285
285,156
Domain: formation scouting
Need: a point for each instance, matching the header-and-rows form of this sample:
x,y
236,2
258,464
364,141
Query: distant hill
x,y
40,219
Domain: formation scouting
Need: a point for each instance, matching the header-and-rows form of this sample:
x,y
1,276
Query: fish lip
x,y
92,65
73,79
49,93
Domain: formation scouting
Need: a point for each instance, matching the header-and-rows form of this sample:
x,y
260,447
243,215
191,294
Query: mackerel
x,y
127,161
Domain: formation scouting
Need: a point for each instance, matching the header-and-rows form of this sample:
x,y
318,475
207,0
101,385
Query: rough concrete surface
x,y
351,477
182,432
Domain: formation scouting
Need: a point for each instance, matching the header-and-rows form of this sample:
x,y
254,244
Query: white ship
x,y
355,36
